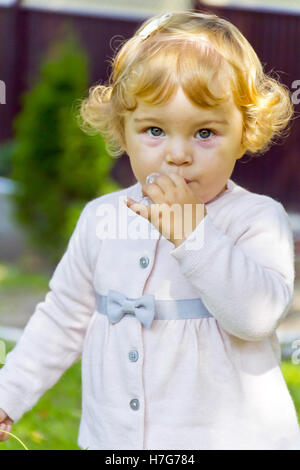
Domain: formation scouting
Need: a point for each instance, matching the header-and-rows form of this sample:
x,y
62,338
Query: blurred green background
x,y
58,167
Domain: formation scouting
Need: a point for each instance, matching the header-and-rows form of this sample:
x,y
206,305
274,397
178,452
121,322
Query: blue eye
x,y
153,135
206,131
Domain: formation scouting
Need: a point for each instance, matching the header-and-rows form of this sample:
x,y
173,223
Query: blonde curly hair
x,y
189,50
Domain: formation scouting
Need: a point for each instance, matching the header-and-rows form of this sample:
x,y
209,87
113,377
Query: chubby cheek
x,y
218,152
216,146
142,164
210,155
146,153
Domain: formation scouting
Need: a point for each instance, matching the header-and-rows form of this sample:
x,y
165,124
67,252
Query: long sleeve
x,y
246,283
53,337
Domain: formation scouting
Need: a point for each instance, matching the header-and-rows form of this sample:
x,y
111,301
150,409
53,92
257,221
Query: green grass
x,y
53,423
291,373
13,277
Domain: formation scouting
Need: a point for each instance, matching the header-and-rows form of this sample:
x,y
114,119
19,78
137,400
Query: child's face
x,y
177,139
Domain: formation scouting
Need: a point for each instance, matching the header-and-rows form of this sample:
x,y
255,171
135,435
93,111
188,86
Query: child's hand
x,y
5,425
174,225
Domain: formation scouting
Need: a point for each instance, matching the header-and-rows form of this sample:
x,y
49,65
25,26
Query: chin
x,y
216,194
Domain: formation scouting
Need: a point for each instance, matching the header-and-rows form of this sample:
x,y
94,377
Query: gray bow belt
x,y
115,305
118,304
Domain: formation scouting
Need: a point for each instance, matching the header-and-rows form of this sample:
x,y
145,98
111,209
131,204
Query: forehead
x,y
181,106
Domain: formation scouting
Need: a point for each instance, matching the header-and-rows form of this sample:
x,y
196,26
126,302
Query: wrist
x,y
199,218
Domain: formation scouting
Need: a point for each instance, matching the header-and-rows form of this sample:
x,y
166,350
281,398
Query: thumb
x,y
3,415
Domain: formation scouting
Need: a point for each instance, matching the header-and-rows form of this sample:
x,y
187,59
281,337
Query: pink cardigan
x,y
193,383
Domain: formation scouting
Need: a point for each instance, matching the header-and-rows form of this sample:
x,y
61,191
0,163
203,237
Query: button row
x,y
133,356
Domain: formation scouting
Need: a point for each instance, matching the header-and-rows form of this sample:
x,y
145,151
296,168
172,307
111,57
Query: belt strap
x,y
167,309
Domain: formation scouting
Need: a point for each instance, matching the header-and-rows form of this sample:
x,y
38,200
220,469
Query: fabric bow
x,y
118,304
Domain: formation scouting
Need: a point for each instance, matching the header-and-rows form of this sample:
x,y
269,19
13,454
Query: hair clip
x,y
153,25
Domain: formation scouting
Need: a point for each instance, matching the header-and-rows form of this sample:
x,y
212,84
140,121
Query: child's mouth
x,y
187,181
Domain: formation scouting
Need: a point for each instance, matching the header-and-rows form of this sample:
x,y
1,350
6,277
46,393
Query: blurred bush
x,y
59,166
6,150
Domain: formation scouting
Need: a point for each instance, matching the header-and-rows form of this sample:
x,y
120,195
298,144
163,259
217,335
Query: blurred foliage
x,y
59,167
13,277
6,150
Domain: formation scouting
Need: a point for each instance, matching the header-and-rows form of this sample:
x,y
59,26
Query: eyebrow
x,y
202,123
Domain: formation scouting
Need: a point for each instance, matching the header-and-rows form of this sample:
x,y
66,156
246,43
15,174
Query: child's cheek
x,y
209,143
155,142
150,141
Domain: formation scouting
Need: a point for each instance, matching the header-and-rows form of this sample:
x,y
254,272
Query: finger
x,y
178,180
129,201
139,209
3,415
8,421
154,191
165,181
3,434
159,212
9,428
167,186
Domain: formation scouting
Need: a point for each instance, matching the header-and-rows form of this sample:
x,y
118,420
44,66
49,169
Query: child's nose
x,y
179,152
177,158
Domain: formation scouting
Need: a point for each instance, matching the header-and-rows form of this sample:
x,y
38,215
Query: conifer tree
x,y
59,166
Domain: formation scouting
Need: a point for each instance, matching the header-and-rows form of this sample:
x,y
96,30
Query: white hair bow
x,y
153,25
